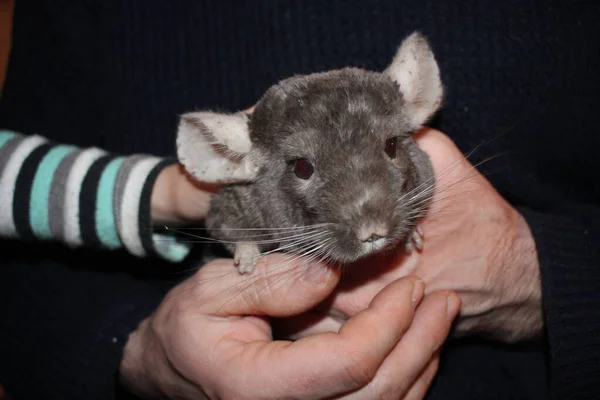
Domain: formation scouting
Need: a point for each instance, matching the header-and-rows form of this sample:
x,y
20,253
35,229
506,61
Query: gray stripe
x,y
8,149
121,184
56,201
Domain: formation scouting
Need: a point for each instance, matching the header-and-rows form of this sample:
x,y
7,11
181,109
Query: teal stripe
x,y
106,226
5,136
40,191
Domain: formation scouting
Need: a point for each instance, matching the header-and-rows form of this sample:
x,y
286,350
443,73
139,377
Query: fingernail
x,y
418,291
317,274
453,304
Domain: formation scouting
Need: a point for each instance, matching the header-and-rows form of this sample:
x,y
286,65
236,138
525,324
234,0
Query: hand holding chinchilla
x,y
478,246
325,166
328,163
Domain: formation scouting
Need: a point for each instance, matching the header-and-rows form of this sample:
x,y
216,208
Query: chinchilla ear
x,y
215,147
415,69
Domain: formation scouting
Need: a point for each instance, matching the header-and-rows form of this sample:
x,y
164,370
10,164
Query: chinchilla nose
x,y
372,232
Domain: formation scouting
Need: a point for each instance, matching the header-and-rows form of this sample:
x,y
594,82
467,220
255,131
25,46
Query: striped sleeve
x,y
80,196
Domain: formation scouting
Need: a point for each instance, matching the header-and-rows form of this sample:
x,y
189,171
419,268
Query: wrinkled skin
x,y
210,338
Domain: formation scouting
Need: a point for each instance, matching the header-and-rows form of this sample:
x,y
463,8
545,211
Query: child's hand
x,y
178,198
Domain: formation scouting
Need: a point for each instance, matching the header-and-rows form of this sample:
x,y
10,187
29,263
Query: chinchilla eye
x,y
390,147
303,168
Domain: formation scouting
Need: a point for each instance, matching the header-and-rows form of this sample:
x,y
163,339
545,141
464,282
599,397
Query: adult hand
x,y
475,244
210,338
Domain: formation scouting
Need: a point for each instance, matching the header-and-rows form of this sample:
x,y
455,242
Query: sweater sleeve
x,y
569,258
80,197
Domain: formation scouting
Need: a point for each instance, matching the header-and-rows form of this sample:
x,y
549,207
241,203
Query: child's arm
x,y
80,196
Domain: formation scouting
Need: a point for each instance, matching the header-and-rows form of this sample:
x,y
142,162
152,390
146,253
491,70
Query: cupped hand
x,y
475,244
211,338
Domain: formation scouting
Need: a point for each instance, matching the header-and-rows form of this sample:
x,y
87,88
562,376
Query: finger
x,y
423,383
307,324
333,363
348,303
430,328
277,287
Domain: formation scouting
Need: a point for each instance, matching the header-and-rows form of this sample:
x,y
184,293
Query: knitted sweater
x,y
520,76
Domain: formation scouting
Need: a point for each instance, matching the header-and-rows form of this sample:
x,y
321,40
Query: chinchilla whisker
x,y
299,249
485,142
298,238
429,181
427,193
199,241
315,247
303,235
287,261
423,196
269,232
277,232
308,251
436,212
298,253
303,260
204,238
319,225
299,241
278,277
304,247
470,153
214,240
247,282
250,280
429,189
320,251
315,233
300,245
429,184
449,168
321,257
453,196
443,187
304,252
490,158
430,201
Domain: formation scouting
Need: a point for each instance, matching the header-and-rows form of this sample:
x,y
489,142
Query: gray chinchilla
x,y
325,166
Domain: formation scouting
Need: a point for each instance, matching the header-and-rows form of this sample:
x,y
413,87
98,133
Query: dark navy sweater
x,y
521,77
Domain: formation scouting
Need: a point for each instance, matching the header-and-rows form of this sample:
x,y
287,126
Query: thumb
x,y
281,285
